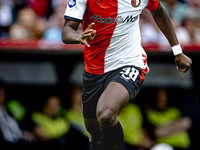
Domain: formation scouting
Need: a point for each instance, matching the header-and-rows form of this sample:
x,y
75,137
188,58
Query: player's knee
x,y
107,117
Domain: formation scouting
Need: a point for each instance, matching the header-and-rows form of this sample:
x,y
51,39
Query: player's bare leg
x,y
112,100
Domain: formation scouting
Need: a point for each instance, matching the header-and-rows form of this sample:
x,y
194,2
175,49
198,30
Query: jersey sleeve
x,y
152,5
75,10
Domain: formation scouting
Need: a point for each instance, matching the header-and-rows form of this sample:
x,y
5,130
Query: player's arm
x,y
163,21
70,35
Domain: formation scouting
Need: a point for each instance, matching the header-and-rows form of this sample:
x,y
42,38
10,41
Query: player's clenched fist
x,y
183,62
88,35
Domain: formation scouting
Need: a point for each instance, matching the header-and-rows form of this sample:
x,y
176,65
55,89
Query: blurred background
x,y
41,81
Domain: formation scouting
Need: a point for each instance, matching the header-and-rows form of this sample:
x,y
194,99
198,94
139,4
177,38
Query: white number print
x,y
129,73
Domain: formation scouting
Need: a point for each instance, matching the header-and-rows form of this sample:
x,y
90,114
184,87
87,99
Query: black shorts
x,y
130,77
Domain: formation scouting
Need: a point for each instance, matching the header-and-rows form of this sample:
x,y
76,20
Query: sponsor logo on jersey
x,y
103,20
71,3
135,3
118,19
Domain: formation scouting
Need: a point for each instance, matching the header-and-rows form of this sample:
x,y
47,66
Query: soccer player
x,y
115,62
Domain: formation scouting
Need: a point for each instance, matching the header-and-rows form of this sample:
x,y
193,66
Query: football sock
x,y
113,137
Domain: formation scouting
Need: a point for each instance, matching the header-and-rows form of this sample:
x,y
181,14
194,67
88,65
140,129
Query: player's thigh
x,y
123,85
112,100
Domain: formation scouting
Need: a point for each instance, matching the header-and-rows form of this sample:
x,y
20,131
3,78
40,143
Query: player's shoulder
x,y
153,5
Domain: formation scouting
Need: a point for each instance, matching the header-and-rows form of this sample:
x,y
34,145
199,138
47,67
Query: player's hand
x,y
88,35
183,62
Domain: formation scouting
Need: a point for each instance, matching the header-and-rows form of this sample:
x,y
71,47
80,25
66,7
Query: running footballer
x,y
115,62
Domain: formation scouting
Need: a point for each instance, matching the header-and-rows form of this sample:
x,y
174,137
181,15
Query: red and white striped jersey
x,y
118,40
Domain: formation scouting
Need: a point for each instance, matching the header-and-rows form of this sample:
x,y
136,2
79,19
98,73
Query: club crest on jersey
x,y
71,3
135,3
